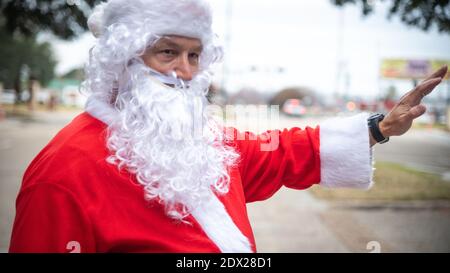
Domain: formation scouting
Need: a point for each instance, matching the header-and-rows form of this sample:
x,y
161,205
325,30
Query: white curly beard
x,y
165,136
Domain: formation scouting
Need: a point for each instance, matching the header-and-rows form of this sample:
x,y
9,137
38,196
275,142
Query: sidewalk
x,y
295,221
291,221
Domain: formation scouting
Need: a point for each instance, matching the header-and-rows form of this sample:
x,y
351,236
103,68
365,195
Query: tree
x,y
20,23
21,59
64,18
418,13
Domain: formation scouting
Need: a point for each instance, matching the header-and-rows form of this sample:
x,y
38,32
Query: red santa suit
x,y
72,195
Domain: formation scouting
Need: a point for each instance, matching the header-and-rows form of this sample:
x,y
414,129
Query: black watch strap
x,y
372,122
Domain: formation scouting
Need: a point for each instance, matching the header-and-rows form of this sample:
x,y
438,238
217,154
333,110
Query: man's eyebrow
x,y
166,42
198,48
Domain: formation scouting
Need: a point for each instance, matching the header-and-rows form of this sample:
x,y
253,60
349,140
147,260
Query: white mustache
x,y
171,79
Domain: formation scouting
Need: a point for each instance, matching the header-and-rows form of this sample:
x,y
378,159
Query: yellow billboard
x,y
410,69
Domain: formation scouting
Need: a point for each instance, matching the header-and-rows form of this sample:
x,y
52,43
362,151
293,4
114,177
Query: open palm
x,y
400,118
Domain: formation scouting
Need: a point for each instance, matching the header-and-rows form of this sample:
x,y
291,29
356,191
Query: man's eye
x,y
193,56
168,52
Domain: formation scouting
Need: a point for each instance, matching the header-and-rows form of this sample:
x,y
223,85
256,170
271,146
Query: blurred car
x,y
294,107
8,96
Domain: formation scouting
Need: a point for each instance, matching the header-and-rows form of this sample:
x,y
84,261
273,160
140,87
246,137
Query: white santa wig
x,y
126,28
144,132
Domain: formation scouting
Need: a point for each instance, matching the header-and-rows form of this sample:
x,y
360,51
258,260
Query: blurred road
x,y
427,150
291,221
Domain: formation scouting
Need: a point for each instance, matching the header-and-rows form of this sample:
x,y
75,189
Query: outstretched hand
x,y
400,118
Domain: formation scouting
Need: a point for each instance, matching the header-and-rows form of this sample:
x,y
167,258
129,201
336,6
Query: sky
x,y
306,39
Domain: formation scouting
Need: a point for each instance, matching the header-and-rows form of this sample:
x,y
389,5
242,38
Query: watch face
x,y
377,116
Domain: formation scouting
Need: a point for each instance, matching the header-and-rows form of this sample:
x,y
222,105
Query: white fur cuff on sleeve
x,y
345,153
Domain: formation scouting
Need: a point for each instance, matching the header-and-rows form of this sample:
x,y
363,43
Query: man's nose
x,y
183,68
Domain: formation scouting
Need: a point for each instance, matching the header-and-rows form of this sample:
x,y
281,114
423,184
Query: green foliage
x,y
18,52
20,23
64,18
418,13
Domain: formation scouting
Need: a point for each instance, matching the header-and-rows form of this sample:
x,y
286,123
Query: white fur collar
x,y
101,110
213,217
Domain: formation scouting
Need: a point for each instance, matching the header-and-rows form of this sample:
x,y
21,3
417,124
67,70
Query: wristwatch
x,y
373,122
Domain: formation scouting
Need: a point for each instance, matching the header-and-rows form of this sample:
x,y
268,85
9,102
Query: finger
x,y
426,87
440,73
417,111
405,95
423,89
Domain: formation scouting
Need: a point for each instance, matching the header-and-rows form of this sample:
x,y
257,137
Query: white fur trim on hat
x,y
189,18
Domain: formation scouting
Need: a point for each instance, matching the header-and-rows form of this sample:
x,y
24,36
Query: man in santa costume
x,y
146,169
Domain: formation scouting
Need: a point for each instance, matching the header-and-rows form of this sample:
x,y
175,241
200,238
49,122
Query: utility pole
x,y
339,53
227,41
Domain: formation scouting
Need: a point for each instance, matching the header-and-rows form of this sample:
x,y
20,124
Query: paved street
x,y
291,221
426,150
